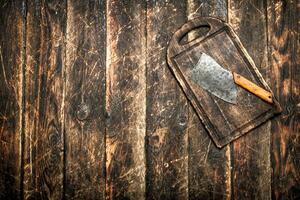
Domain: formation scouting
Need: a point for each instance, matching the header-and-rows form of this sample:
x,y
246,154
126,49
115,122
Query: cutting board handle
x,y
213,24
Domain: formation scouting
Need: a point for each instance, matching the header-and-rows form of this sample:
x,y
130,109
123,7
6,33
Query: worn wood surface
x,y
89,108
225,122
208,166
43,142
166,147
125,99
12,62
84,105
283,51
251,169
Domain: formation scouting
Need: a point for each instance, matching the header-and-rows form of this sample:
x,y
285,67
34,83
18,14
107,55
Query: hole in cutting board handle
x,y
196,33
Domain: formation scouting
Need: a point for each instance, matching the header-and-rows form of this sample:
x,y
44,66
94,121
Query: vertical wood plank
x,y
209,166
204,8
85,100
251,169
126,99
12,62
283,38
43,150
167,109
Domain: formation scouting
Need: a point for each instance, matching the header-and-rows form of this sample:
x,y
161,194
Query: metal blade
x,y
212,77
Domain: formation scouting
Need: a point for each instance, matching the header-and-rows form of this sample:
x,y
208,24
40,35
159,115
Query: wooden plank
x,y
167,108
44,140
251,171
283,43
209,167
126,99
204,8
85,100
12,62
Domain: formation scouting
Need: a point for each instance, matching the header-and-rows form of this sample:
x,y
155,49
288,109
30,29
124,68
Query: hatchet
x,y
222,83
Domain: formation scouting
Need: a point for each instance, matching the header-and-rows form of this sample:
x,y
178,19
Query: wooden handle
x,y
214,25
253,88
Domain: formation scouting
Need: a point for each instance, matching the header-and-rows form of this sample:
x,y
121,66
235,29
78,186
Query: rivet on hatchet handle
x,y
253,88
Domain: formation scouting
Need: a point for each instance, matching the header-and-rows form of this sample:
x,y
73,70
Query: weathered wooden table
x,y
89,109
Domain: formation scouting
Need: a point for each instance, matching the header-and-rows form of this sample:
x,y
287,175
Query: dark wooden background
x,y
90,110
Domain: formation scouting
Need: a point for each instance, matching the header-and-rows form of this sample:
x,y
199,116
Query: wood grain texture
x,y
85,100
90,110
205,8
12,62
253,88
225,122
126,99
43,150
209,166
251,172
167,108
283,43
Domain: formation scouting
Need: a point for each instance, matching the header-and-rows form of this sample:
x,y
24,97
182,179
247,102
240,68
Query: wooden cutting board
x,y
224,122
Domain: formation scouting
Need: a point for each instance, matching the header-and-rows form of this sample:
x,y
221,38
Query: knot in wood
x,y
83,112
